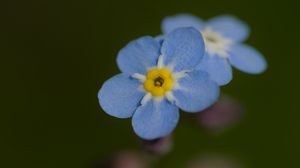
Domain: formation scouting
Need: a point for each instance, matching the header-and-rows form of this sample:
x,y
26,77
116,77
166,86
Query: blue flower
x,y
156,80
222,36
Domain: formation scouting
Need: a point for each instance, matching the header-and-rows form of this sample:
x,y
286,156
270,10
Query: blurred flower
x,y
158,79
223,114
223,36
125,159
159,146
214,161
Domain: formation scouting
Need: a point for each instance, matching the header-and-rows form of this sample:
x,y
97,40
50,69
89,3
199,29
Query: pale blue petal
x,y
196,92
139,55
247,59
182,20
155,119
119,96
218,68
183,48
230,27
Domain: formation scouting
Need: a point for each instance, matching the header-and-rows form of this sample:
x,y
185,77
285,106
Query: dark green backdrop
x,y
56,54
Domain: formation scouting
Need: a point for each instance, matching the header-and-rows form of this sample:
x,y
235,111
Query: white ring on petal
x,y
176,86
142,89
158,99
160,62
146,99
179,75
170,97
140,77
170,67
216,43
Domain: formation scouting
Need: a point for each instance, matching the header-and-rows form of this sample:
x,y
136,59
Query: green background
x,y
56,54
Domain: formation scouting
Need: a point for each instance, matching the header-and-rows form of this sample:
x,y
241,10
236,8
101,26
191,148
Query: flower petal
x,y
218,68
155,119
119,96
230,27
196,92
183,49
182,20
247,59
139,55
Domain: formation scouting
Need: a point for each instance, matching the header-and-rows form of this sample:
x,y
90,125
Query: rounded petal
x,y
247,59
196,92
183,49
218,68
155,119
182,20
119,96
139,55
230,27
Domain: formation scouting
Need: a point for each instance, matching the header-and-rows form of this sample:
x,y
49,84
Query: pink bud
x,y
223,114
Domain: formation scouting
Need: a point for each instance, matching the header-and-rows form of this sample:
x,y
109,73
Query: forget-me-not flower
x,y
223,36
156,80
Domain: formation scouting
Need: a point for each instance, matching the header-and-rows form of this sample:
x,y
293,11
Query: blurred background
x,y
55,55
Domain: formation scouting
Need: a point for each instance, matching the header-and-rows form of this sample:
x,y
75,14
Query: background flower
x,y
124,159
222,115
223,36
158,147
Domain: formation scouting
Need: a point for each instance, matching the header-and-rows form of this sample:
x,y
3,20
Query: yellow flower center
x,y
158,81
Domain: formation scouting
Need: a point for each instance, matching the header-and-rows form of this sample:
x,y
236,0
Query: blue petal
x,y
247,59
119,96
155,119
139,55
230,27
196,92
218,68
183,48
182,20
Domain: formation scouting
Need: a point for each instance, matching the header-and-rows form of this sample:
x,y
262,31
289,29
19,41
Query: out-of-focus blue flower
x,y
223,36
156,80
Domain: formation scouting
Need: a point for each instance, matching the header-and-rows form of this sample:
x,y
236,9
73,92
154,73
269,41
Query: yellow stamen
x,y
158,81
168,84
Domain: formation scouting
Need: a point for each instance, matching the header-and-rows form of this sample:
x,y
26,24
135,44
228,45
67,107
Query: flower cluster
x,y
222,36
181,69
